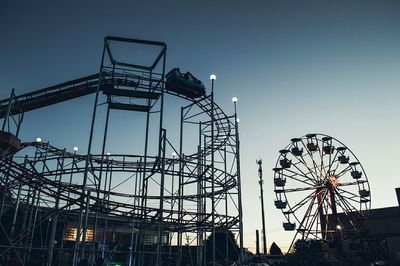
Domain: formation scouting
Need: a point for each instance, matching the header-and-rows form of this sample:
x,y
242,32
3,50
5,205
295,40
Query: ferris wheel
x,y
321,188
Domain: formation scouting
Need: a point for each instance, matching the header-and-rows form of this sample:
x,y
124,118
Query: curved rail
x,y
128,163
123,163
89,84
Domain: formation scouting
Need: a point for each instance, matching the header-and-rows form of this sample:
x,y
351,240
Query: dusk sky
x,y
297,67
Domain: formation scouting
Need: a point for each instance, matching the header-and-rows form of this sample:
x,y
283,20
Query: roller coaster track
x,y
129,163
87,85
69,194
122,163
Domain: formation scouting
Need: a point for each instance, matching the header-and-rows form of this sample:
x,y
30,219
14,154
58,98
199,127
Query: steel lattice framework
x,y
48,192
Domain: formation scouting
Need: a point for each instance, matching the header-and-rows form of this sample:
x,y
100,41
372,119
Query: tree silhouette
x,y
274,249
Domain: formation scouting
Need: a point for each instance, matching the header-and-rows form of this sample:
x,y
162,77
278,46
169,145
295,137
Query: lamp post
x,y
72,172
235,100
213,77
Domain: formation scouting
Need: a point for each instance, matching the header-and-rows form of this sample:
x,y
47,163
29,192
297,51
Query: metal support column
x,y
212,175
161,206
88,159
261,182
239,186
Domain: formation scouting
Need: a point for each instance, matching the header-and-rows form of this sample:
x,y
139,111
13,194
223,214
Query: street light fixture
x,y
38,140
213,77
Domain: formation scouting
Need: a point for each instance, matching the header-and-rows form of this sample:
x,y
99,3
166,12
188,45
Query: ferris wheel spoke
x,y
303,201
332,161
346,212
306,216
329,162
306,175
327,204
344,171
315,165
294,178
316,213
337,166
300,189
348,192
346,202
302,161
323,167
351,195
351,183
350,212
351,198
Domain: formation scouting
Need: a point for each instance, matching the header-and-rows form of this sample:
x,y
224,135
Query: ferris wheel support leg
x,y
334,222
320,199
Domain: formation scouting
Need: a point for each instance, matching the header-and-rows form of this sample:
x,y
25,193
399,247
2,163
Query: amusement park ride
x,y
316,177
62,206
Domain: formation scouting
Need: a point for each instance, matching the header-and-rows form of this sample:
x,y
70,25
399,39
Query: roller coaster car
x,y
184,84
9,144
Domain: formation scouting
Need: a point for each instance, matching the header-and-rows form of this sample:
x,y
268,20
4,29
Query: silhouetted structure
x,y
261,183
59,205
275,250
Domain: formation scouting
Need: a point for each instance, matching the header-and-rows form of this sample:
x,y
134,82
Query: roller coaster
x,y
62,207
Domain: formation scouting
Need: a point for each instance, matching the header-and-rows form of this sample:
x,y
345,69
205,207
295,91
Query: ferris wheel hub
x,y
332,181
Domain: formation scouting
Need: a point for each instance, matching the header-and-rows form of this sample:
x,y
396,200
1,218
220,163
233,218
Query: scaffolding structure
x,y
138,209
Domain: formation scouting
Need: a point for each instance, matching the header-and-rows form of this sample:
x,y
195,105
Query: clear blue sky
x,y
296,66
